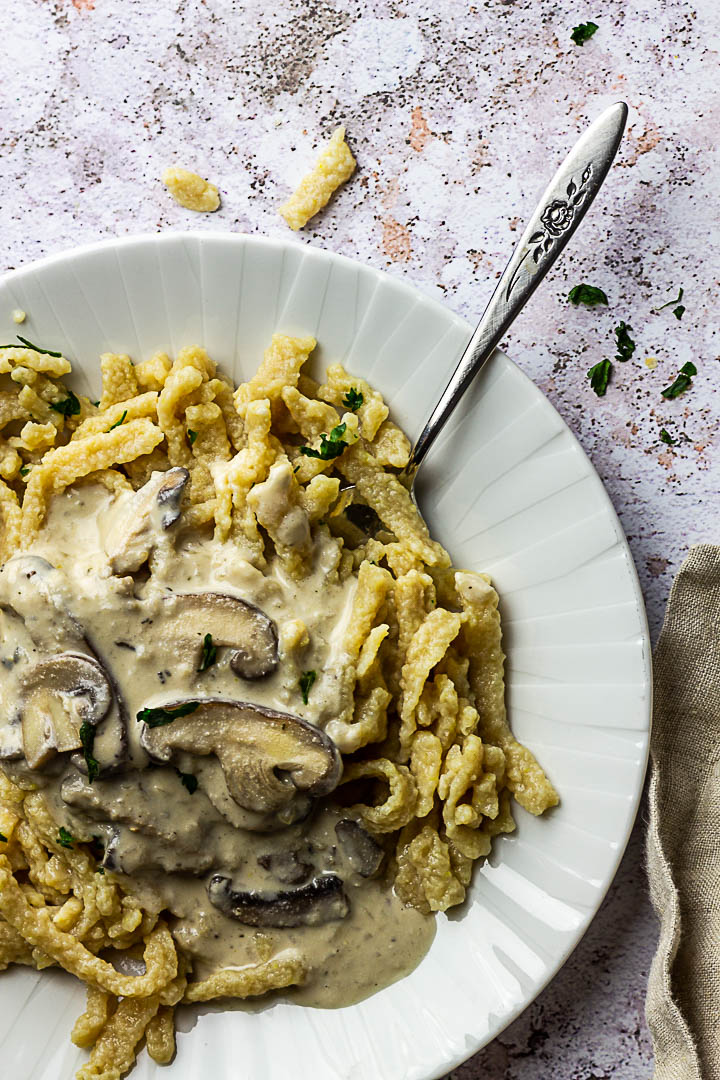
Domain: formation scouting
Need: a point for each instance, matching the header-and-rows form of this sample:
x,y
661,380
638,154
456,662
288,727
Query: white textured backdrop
x,y
457,113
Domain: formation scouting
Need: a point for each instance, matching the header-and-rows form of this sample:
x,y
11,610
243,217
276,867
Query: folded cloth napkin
x,y
683,845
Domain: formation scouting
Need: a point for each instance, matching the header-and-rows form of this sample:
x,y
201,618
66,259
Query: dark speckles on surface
x,y
99,100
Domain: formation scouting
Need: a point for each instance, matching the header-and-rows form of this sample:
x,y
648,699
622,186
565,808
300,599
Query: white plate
x,y
510,491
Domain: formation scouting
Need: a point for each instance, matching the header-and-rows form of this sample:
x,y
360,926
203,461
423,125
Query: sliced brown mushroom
x,y
231,622
39,594
58,695
362,852
322,900
151,511
286,866
267,757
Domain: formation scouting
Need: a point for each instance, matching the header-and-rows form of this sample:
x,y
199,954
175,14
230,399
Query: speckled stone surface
x,y
457,113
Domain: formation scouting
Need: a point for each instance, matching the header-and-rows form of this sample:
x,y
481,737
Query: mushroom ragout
x,y
254,721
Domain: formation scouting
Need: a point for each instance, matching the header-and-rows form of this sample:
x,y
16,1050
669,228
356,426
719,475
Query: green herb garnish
x,y
192,435
29,345
353,399
99,869
331,446
69,406
158,717
583,32
305,683
118,422
3,838
587,294
25,470
64,838
682,381
209,653
188,781
667,438
87,738
625,344
599,377
678,310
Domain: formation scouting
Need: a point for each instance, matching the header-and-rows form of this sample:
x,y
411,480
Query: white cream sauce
x,y
164,841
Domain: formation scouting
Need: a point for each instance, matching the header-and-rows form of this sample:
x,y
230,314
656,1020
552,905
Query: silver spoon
x,y
557,216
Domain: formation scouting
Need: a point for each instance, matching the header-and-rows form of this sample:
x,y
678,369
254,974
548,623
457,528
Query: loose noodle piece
x,y
419,674
334,166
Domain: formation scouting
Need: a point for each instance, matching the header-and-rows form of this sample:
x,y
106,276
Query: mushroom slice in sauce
x,y
232,622
267,757
39,594
150,512
322,900
286,866
58,695
359,848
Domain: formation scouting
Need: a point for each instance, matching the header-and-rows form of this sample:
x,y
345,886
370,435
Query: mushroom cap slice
x,y
267,757
232,622
322,900
39,594
58,695
362,852
150,512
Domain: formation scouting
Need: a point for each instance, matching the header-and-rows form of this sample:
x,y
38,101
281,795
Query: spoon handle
x,y
557,216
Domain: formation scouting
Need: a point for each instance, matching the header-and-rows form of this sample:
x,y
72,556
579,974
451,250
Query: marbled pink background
x,y
457,113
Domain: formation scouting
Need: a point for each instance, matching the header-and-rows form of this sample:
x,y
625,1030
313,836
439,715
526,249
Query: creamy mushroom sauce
x,y
171,842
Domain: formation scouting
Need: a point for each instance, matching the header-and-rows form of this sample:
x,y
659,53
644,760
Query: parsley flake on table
x,y
678,310
209,653
69,406
353,399
118,422
599,377
667,438
625,344
583,32
587,294
305,683
682,381
87,738
331,446
159,716
188,781
64,838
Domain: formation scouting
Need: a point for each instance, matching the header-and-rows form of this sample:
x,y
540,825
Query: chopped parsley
x,y
87,738
158,717
188,781
3,838
305,683
682,381
331,446
678,310
667,438
99,869
118,422
625,344
192,435
599,377
64,838
209,653
29,345
583,32
25,470
587,294
353,399
69,406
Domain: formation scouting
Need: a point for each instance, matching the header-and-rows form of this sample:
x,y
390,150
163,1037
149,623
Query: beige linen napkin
x,y
683,845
